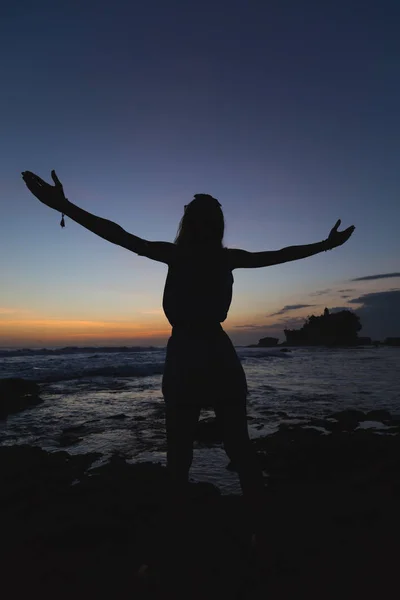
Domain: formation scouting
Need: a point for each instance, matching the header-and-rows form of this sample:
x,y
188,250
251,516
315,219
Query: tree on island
x,y
329,329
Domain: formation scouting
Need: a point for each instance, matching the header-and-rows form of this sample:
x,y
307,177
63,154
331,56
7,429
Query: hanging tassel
x,y
62,222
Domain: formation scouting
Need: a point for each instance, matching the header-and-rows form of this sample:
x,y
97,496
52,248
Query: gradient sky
x,y
287,112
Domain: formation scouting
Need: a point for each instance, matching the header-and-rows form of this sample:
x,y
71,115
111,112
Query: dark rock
x,y
378,415
303,453
17,394
330,425
29,474
331,501
358,518
297,432
200,490
393,429
231,466
66,439
392,341
348,420
268,342
349,413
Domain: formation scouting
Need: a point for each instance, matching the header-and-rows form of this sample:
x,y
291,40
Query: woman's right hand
x,y
51,195
337,238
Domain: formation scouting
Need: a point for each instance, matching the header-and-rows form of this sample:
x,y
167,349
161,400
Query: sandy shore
x,y
331,526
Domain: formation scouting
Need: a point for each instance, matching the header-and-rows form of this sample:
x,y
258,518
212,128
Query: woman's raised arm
x,y
53,196
249,260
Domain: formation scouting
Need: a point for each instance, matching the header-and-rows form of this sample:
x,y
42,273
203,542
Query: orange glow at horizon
x,y
52,330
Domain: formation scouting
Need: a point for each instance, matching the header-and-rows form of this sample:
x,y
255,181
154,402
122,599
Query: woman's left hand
x,y
51,195
337,238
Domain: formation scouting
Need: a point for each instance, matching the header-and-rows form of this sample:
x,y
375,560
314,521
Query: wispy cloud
x,y
290,307
379,276
379,298
251,333
321,292
345,291
7,311
250,326
4,310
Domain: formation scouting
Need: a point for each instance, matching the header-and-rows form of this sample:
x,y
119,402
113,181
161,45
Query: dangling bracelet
x,y
62,222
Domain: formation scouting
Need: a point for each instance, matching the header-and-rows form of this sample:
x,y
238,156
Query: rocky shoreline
x,y
17,394
330,529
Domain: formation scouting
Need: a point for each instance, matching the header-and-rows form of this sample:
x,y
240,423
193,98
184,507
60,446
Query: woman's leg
x,y
181,421
237,444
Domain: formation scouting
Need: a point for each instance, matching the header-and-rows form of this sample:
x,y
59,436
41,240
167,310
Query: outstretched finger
x,y
55,179
337,224
31,177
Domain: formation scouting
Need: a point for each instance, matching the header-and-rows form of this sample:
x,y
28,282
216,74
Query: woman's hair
x,y
202,223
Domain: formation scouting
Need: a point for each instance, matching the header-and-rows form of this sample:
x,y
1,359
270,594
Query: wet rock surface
x,y
329,527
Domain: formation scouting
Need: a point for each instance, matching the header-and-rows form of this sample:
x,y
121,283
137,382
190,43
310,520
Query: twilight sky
x,y
286,111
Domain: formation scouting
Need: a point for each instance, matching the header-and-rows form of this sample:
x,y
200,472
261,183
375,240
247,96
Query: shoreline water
x,y
113,403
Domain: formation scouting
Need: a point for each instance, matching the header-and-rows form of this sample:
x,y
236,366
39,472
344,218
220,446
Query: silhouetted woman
x,y
202,368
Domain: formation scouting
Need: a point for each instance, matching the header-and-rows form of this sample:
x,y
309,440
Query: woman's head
x,y
202,222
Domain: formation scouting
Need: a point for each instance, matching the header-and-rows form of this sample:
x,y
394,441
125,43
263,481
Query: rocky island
x,y
329,329
332,329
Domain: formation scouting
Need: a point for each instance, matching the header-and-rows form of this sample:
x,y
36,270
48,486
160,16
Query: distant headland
x,y
329,329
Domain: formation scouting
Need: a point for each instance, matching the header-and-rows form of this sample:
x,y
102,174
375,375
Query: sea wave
x,y
118,371
75,350
245,353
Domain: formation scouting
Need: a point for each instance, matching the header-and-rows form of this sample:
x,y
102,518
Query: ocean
x,y
109,400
